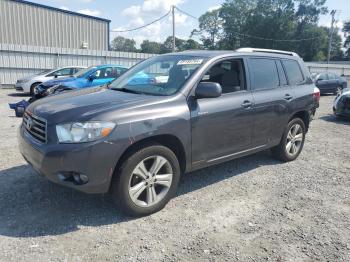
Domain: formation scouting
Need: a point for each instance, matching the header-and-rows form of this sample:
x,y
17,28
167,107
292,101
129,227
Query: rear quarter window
x,y
263,73
293,71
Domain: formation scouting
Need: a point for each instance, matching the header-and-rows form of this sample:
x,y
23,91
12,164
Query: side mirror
x,y
208,90
55,76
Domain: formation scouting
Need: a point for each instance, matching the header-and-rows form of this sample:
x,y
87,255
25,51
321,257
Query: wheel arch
x,y
170,141
31,89
303,115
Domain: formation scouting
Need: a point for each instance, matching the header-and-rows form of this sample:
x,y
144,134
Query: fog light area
x,y
73,177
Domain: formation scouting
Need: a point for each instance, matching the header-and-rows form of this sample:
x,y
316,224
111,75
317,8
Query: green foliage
x,y
123,44
346,30
180,45
210,25
129,45
150,47
270,24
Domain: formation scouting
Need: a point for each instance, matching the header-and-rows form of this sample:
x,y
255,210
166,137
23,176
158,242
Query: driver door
x,y
222,127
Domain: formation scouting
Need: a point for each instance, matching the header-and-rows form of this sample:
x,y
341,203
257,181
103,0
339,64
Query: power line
x,y
279,40
141,27
184,12
196,18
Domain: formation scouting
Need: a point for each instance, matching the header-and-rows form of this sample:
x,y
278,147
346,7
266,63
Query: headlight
x,y
80,132
52,89
22,81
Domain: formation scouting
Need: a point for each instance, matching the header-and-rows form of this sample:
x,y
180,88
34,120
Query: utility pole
x,y
173,14
331,36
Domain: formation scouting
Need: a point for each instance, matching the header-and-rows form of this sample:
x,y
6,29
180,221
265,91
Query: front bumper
x,y
19,87
22,87
95,160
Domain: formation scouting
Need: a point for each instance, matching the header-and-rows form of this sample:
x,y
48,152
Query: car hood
x,y
86,104
60,81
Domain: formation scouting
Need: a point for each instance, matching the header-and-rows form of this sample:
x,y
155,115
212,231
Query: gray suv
x,y
169,115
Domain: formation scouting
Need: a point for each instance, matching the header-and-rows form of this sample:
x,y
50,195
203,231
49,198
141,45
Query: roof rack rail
x,y
261,50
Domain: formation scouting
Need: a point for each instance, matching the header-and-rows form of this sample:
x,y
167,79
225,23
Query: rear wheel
x,y
146,181
292,141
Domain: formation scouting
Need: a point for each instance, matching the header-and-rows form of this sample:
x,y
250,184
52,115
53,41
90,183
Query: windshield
x,y
82,72
43,72
160,75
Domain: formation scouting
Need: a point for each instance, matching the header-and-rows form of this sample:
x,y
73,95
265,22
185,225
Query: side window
x,y
103,73
263,73
76,70
229,74
61,72
282,75
120,71
294,74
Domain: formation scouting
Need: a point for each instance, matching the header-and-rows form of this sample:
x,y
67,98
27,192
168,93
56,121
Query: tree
x,y
275,24
210,26
346,30
180,45
123,44
150,47
191,44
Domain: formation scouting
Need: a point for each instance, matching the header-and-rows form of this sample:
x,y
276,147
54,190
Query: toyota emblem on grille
x,y
29,123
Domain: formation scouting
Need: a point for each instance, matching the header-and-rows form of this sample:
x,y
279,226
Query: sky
x,y
134,13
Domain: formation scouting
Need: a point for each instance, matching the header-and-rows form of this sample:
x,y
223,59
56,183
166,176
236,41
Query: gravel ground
x,y
251,209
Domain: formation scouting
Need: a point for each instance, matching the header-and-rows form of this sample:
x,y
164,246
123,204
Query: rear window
x,y
294,74
263,73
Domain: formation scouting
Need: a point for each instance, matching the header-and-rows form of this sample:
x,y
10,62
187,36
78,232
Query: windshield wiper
x,y
127,90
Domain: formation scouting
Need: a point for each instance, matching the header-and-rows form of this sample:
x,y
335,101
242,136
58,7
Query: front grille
x,y
36,127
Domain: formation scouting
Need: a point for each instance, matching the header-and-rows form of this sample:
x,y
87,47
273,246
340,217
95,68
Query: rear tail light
x,y
317,94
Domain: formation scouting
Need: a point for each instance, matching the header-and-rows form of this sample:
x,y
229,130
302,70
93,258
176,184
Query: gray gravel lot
x,y
251,209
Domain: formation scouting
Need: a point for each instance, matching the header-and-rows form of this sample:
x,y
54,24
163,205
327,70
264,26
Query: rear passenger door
x,y
301,85
272,99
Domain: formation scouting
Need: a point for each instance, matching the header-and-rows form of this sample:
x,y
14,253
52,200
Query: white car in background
x,y
27,84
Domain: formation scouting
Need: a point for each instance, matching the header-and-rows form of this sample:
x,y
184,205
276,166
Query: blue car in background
x,y
89,77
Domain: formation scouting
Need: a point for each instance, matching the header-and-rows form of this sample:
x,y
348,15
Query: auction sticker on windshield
x,y
190,62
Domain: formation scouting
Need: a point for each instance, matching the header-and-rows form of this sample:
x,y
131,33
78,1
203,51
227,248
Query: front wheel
x,y
32,88
292,141
146,181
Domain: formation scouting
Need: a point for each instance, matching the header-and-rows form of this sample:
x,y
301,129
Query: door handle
x,y
288,97
247,104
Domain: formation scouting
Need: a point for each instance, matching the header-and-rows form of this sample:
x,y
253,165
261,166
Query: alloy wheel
x,y
150,181
294,140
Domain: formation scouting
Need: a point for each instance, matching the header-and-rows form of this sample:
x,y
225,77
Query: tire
x,y
281,151
32,88
132,176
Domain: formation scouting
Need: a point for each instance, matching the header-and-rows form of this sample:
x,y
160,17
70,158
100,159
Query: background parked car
x,y
28,84
90,77
341,105
329,82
